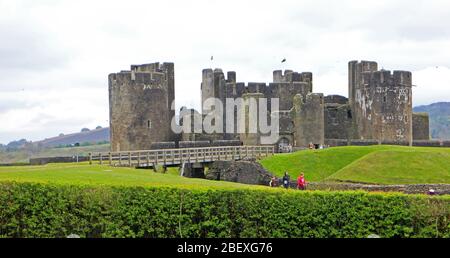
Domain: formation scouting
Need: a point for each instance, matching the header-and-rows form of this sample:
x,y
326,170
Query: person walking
x,y
286,180
273,182
301,182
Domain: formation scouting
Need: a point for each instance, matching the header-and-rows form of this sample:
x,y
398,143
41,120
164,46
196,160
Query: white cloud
x,y
432,85
55,55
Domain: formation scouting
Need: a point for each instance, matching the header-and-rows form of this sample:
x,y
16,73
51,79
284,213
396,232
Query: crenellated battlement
x,y
381,101
291,76
152,67
285,86
386,78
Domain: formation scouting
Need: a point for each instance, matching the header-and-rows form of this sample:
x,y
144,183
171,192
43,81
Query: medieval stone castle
x,y
377,111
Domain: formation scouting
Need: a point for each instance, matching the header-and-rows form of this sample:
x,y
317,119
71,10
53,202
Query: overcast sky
x,y
55,56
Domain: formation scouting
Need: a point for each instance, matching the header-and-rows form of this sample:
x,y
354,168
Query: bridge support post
x,y
194,170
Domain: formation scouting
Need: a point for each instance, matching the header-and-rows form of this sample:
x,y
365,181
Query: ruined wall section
x,y
355,70
421,126
291,76
250,137
359,99
308,118
335,99
287,127
140,106
207,87
339,122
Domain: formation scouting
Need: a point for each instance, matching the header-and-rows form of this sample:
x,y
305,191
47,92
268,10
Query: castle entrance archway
x,y
284,145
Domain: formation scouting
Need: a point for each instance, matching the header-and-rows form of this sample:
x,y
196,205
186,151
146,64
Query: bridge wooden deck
x,y
173,157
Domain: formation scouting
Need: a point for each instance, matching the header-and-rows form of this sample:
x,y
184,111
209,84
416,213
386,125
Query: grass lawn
x,y
366,164
399,167
95,175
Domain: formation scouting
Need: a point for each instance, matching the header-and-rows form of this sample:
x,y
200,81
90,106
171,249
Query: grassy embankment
x,y
366,164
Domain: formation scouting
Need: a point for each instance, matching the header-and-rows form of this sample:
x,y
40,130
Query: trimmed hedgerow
x,y
41,210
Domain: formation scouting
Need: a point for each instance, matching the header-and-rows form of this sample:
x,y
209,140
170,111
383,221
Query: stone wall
x,y
339,122
421,126
336,142
335,99
140,106
244,172
401,143
191,122
46,160
424,143
162,145
308,118
252,135
193,144
363,142
226,143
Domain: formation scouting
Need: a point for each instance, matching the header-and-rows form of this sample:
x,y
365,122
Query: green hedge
x,y
35,210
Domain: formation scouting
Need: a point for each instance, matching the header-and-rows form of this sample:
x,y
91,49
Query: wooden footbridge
x,y
178,157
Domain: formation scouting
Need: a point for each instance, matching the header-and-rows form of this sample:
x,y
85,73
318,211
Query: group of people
x,y
312,146
286,181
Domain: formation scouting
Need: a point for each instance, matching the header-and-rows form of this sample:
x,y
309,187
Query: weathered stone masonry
x,y
379,107
140,106
300,110
378,110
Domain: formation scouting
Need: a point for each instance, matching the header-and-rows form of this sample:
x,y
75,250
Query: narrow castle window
x,y
149,124
406,119
384,99
349,114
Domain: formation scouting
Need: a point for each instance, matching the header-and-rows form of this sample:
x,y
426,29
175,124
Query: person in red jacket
x,y
301,182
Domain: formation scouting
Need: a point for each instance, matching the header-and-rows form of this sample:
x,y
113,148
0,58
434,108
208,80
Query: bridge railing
x,y
179,156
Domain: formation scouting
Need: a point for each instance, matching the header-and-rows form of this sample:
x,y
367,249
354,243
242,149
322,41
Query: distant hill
x,y
24,154
439,119
92,136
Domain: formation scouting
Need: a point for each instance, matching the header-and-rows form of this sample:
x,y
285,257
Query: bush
x,y
40,210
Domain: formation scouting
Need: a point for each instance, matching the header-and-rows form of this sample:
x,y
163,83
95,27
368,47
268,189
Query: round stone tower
x,y
140,103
